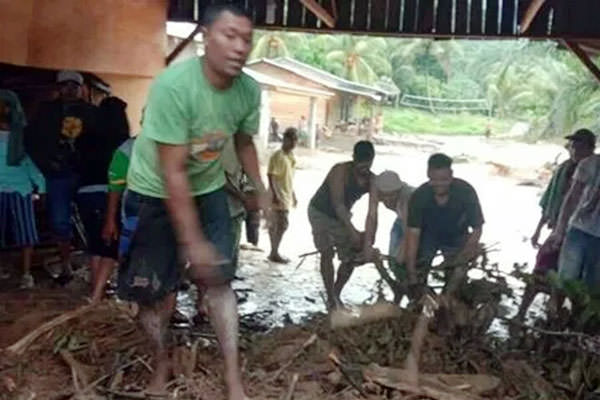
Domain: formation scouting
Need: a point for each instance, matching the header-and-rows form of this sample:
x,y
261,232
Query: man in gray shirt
x,y
579,225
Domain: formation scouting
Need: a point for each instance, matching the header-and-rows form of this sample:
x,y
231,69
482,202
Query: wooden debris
x,y
290,392
344,318
312,339
22,345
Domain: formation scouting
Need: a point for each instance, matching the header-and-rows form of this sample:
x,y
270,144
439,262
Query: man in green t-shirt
x,y
176,186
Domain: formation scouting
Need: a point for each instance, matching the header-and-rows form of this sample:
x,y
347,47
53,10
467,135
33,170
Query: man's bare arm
x,y
109,230
180,204
372,216
470,248
568,208
412,247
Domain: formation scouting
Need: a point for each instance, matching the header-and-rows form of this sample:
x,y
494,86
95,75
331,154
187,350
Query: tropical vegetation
x,y
536,82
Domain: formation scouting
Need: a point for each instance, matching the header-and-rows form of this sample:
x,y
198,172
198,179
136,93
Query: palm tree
x,y
408,51
269,45
358,59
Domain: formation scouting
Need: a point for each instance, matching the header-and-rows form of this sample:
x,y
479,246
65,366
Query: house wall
x,y
122,41
328,110
287,108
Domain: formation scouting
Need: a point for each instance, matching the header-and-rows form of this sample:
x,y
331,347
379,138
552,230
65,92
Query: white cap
x,y
388,181
66,76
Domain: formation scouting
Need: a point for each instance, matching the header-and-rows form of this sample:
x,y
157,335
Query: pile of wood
x,y
99,352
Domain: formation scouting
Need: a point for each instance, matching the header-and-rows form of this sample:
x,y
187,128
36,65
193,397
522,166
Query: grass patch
x,y
406,120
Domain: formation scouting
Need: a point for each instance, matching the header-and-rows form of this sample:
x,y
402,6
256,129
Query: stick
x,y
127,395
22,345
336,361
411,364
77,369
292,388
578,335
103,377
307,344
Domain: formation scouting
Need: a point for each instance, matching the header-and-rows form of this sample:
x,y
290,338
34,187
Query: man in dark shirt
x,y
53,141
444,215
331,219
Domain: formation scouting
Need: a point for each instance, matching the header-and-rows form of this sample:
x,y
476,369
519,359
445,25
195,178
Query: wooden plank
x,y
409,21
279,16
394,8
260,12
462,11
361,14
583,21
491,17
507,23
539,24
295,9
584,58
444,16
344,14
476,17
379,14
327,5
310,19
425,16
560,23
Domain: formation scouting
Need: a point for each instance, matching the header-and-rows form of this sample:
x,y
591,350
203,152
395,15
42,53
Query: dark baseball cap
x,y
583,136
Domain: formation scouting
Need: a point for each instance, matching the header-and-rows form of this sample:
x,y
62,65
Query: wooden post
x,y
312,124
319,12
584,58
265,120
182,45
530,14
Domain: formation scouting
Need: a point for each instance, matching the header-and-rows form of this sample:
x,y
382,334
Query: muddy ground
x,y
508,177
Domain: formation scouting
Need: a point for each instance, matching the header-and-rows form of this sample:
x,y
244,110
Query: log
x,y
435,386
344,318
23,344
411,364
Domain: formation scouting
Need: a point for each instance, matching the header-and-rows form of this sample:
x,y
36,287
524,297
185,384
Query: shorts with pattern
x,y
329,234
17,219
151,265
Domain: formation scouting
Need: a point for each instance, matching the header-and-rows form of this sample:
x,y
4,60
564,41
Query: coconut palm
x,y
357,59
269,45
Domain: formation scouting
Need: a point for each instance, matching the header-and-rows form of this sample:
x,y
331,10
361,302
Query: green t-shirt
x,y
183,108
119,165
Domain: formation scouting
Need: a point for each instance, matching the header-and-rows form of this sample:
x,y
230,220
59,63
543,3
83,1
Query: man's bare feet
x,y
158,383
237,394
276,258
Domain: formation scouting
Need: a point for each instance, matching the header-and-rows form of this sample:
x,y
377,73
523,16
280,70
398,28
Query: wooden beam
x,y
534,7
319,11
584,58
183,44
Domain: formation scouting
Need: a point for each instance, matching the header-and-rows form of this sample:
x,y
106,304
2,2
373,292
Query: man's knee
x,y
327,254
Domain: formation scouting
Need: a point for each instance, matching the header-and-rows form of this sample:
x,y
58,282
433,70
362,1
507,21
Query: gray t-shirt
x,y
587,214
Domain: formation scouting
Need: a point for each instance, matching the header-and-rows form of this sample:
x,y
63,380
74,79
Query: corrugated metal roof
x,y
265,79
324,78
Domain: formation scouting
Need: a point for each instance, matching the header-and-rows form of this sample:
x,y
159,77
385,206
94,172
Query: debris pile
x,y
440,350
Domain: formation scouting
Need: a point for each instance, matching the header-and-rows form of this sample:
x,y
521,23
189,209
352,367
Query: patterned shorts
x,y
17,220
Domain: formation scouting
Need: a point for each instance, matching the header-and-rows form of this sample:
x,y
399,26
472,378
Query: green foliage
x,y
523,80
403,120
